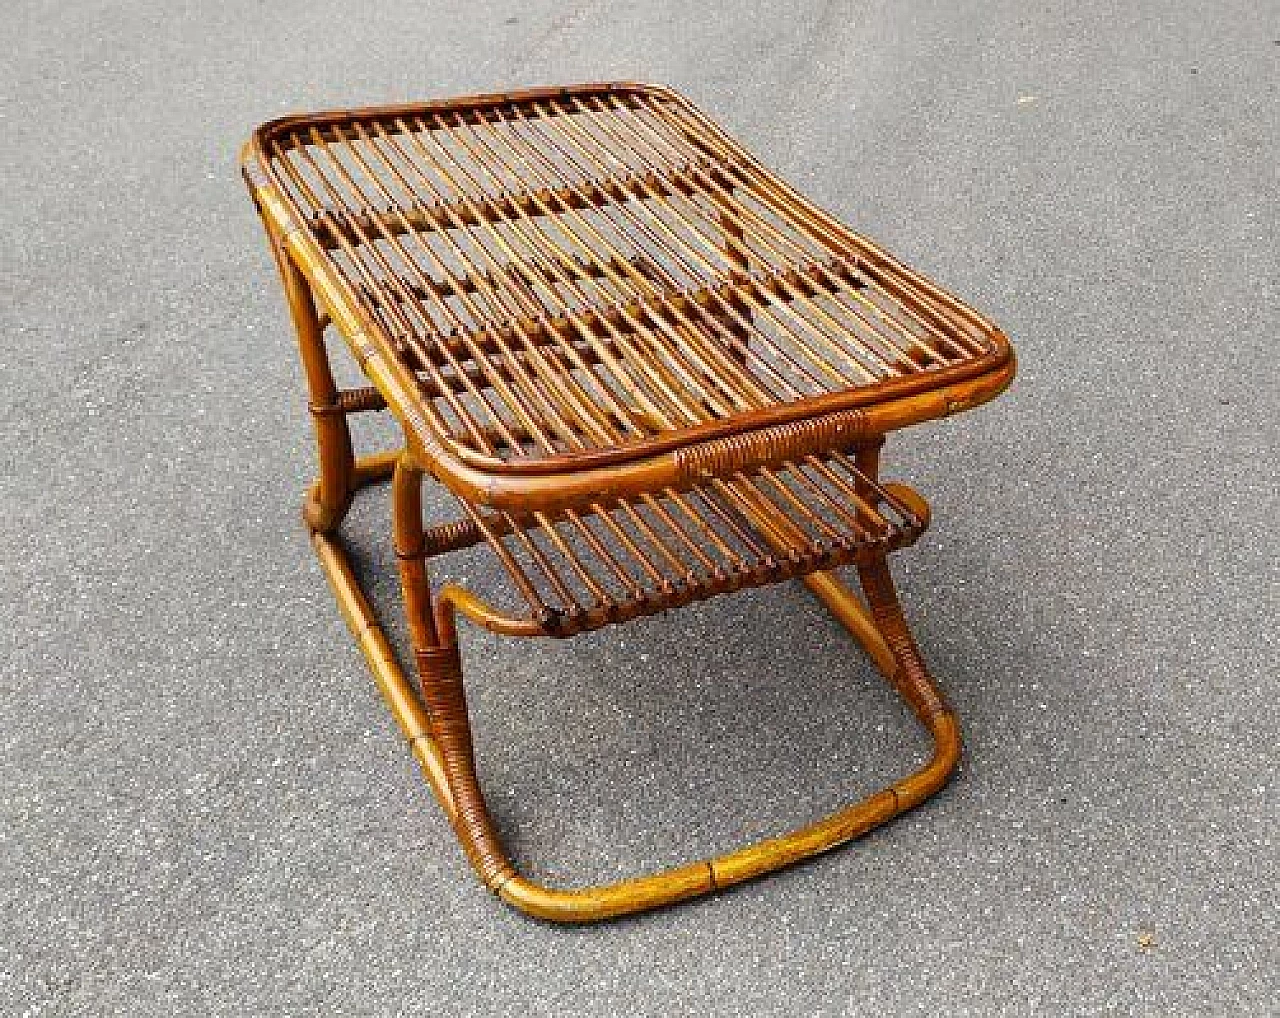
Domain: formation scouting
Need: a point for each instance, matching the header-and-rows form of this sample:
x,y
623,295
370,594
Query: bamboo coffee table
x,y
647,370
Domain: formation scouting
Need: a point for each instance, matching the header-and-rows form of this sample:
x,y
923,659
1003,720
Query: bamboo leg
x,y
401,697
328,500
910,677
435,650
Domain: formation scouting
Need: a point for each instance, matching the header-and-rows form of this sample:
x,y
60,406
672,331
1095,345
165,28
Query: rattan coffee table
x,y
647,370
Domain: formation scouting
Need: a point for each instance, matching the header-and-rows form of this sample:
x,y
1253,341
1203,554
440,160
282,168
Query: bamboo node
x,y
772,446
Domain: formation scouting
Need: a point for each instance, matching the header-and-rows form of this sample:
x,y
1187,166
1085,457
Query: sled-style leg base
x,y
435,723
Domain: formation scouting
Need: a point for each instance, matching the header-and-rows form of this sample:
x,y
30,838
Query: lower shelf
x,y
572,571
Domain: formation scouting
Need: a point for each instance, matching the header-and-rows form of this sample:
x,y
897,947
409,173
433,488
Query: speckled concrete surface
x,y
204,809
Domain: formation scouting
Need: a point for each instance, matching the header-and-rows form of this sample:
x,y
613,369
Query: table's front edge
x,y
690,464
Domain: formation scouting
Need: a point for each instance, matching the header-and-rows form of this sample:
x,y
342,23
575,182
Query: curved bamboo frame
x,y
713,453
436,726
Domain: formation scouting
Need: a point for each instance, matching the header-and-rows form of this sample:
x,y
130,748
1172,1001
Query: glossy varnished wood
x,y
648,371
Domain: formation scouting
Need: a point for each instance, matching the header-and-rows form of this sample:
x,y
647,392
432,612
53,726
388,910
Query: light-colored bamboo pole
x,y
333,438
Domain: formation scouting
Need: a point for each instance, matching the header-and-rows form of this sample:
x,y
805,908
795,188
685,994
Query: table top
x,y
580,277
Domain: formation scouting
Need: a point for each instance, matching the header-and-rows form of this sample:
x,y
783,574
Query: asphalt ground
x,y
204,808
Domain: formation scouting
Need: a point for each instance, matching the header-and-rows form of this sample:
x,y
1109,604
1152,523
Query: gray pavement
x,y
203,806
